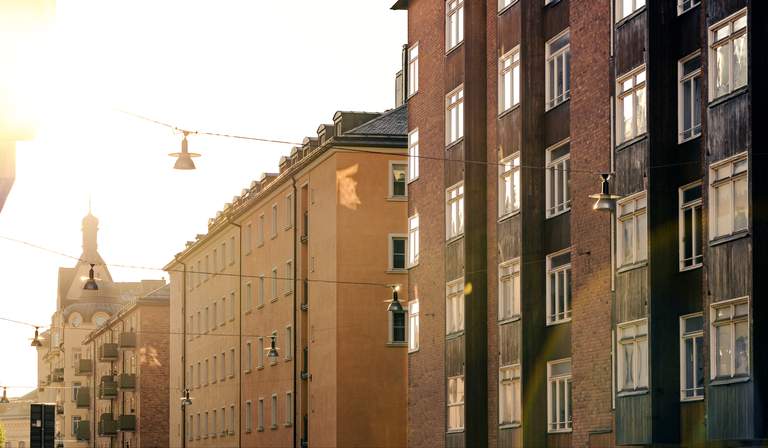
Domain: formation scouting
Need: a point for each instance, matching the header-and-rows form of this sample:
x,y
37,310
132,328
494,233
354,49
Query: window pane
x,y
740,205
689,373
627,116
723,350
640,111
723,209
687,108
642,237
700,364
627,241
739,62
628,361
721,70
741,346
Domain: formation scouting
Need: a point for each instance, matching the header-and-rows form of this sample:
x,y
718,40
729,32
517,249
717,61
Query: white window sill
x,y
559,321
506,8
630,16
397,344
414,179
555,106
631,141
508,110
451,239
397,198
510,425
450,145
455,431
691,399
682,13
452,49
397,271
691,267
561,212
413,265
728,238
260,306
631,267
454,335
632,393
681,140
415,350
728,96
726,381
288,293
559,431
510,319
508,215
273,299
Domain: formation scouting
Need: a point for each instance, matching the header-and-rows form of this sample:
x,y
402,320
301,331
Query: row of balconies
x,y
108,426
108,350
58,375
108,386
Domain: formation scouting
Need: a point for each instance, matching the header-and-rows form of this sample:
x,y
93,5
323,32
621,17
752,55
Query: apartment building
x,y
555,324
63,364
288,337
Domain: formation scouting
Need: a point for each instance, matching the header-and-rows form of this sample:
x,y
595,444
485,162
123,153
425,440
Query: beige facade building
x,y
63,365
15,420
300,263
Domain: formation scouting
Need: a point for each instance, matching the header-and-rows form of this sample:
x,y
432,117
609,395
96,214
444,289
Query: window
x,y
261,230
199,273
288,277
214,367
231,419
509,80
454,306
288,342
206,323
215,423
248,357
689,97
223,366
691,357
205,425
558,69
509,185
559,396
75,423
728,55
397,182
232,305
191,427
690,226
728,202
413,155
261,291
191,376
413,69
558,180
729,343
206,274
214,316
231,250
413,240
247,238
626,7
289,211
260,353
223,317
248,296
509,289
215,260
559,287
205,373
274,283
288,408
248,416
413,325
273,411
510,395
686,5
198,426
223,421
397,327
397,245
232,362
633,356
454,23
454,116
632,228
454,211
261,415
456,403
274,221
223,256
504,3
75,389
631,120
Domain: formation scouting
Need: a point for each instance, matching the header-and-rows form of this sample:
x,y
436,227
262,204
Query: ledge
x,y
508,7
509,215
631,393
727,381
629,18
728,96
397,198
449,146
555,106
632,267
452,49
515,106
729,238
632,141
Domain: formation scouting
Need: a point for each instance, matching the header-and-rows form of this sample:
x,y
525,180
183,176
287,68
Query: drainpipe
x,y
183,351
239,331
295,302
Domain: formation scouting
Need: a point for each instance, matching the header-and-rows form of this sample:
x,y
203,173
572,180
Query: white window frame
x,y
510,377
688,80
273,411
288,408
248,416
639,254
288,343
509,69
260,353
509,174
684,6
247,242
223,256
261,292
260,229
413,155
696,337
231,424
635,81
232,363
391,244
413,70
454,200
231,305
248,356
727,41
562,275
558,180
273,233
634,5
562,381
454,24
694,206
454,115
731,321
248,296
413,241
509,271
288,277
639,342
288,211
456,402
560,57
413,326
504,4
260,415
274,290
391,177
232,250
454,300
729,181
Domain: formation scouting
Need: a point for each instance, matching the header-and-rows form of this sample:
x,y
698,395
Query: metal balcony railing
x,y
107,425
83,430
107,388
84,367
83,398
58,375
127,381
108,352
127,422
127,340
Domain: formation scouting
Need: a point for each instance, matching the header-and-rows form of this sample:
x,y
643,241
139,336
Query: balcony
x,y
83,430
127,422
58,375
83,398
83,367
127,381
107,425
127,340
107,388
108,352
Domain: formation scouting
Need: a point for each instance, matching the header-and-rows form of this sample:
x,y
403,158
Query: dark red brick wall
x,y
426,381
590,230
153,376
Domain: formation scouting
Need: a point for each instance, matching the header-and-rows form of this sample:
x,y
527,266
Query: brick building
x,y
542,322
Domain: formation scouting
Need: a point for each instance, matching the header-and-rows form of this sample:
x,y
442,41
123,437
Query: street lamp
x,y
606,202
394,304
36,341
185,400
4,400
184,158
90,284
272,353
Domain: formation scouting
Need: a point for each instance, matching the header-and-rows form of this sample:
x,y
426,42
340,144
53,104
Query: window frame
x,y
633,216
392,180
413,326
289,408
248,416
553,414
412,250
637,5
713,45
514,275
454,291
715,183
732,321
391,238
452,12
412,55
274,222
621,94
682,80
696,227
260,229
454,100
552,296
391,328
450,199
564,55
563,181
273,411
639,372
681,9
288,211
413,156
455,404
247,239
509,167
515,382
260,415
697,338
513,56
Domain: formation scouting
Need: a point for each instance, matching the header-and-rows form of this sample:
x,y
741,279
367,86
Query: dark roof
x,y
400,4
393,122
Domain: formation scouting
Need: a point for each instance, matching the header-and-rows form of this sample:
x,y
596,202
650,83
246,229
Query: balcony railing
x,y
127,340
107,388
58,375
83,367
127,381
107,425
108,352
83,397
127,422
83,430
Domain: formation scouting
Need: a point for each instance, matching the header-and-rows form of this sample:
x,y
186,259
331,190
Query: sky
x,y
260,68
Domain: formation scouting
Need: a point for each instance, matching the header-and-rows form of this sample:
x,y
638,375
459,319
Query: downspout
x,y
94,373
295,302
183,351
239,331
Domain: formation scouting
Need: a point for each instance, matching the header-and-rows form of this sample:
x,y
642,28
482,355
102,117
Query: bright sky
x,y
260,68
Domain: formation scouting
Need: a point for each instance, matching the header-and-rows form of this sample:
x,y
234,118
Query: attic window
x,y
338,128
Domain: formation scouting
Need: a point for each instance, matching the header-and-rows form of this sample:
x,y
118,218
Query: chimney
x,y
399,89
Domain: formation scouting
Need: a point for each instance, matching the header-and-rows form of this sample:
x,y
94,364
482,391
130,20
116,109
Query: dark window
x,y
398,253
398,326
